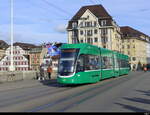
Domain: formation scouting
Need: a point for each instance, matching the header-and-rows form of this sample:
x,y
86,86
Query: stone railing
x,y
17,76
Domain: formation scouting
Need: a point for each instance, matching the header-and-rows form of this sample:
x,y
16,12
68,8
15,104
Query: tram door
x,y
89,67
116,66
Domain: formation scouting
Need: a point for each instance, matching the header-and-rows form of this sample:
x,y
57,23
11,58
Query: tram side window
x,y
116,61
88,62
124,63
120,63
92,62
107,62
80,63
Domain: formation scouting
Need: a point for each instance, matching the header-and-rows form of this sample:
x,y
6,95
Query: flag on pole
x,y
53,50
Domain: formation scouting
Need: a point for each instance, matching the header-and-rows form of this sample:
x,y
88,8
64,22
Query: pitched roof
x,y
3,44
25,46
126,30
98,10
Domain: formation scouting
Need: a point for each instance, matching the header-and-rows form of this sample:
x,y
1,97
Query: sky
x,y
40,21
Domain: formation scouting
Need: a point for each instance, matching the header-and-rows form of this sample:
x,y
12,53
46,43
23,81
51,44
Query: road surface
x,y
129,93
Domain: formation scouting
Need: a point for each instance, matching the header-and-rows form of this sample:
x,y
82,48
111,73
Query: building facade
x,y
39,56
21,61
20,57
93,25
135,45
35,58
3,47
148,52
2,53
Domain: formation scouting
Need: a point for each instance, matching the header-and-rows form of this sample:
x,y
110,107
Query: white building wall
x,y
21,63
88,16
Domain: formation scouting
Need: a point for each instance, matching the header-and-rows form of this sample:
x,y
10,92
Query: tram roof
x,y
85,45
81,45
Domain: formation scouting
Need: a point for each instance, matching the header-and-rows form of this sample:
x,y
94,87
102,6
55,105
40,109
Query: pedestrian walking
x,y
41,77
145,68
134,67
49,71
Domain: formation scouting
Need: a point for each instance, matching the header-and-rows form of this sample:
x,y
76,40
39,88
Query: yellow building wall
x,y
116,40
134,47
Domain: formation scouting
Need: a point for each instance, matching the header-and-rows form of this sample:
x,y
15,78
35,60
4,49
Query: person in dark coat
x,y
49,71
41,77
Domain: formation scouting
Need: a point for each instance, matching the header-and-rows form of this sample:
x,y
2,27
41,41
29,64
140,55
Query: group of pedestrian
x,y
45,72
146,67
140,67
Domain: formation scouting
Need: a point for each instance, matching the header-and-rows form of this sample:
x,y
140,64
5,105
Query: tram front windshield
x,y
67,61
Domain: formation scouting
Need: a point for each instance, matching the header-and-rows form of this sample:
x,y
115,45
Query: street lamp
x,y
11,68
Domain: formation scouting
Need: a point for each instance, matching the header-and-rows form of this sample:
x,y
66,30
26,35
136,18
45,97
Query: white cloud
x,y
61,28
23,33
38,38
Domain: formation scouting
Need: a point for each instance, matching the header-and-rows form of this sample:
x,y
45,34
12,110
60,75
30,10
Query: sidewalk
x,y
24,84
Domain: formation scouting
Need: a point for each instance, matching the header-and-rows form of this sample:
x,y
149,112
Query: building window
x,y
95,23
103,23
134,58
104,40
95,31
81,24
104,32
88,24
81,32
89,32
90,40
81,41
95,39
128,53
74,25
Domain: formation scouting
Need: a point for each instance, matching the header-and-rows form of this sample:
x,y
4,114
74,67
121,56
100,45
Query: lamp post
x,y
11,68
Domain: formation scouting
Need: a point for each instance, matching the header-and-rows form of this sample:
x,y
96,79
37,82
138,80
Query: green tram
x,y
85,63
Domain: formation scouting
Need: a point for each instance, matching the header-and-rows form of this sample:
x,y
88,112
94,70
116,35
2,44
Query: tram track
x,y
12,104
27,97
41,92
70,101
57,98
25,91
97,91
